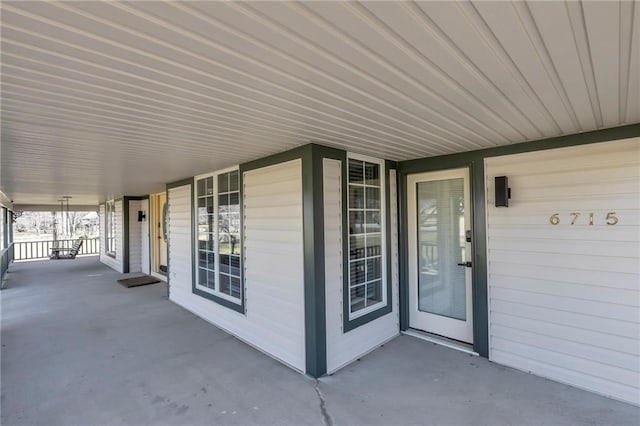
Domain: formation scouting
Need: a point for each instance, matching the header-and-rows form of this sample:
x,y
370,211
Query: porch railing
x,y
28,250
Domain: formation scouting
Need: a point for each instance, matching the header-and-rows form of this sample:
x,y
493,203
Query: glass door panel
x,y
438,214
441,246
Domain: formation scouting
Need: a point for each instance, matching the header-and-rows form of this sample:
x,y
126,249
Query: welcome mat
x,y
138,281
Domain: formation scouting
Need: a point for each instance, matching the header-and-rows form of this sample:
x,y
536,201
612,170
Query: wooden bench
x,y
73,251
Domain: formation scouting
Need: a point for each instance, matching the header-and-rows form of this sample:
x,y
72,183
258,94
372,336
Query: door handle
x,y
467,264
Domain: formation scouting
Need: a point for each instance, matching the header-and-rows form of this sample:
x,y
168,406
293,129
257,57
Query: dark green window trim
x,y
312,156
315,283
313,244
351,324
475,161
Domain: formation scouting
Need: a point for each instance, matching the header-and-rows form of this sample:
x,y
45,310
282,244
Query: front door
x,y
439,228
158,233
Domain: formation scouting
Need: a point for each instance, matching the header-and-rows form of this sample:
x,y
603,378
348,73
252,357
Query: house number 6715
x,y
610,219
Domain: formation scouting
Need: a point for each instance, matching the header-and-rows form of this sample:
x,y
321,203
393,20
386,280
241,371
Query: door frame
x,y
460,330
477,197
155,214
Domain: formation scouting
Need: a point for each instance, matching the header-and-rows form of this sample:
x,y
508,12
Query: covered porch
x,y
77,348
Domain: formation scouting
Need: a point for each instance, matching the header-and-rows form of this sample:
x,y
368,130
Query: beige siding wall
x,y
179,240
273,264
343,348
564,299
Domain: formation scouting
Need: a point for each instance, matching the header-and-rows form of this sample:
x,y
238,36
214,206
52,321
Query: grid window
x,y
110,228
365,236
219,244
206,246
229,233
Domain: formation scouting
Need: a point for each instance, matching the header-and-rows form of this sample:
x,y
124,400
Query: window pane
x,y
234,181
225,284
374,268
202,276
373,221
203,229
372,174
223,200
235,287
208,186
356,197
356,222
234,265
234,242
372,197
223,183
356,171
224,263
357,247
357,298
374,293
201,187
357,272
374,245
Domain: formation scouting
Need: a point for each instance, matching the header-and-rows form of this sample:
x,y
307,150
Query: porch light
x,y
503,192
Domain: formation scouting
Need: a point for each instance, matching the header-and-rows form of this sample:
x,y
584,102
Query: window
x,y
218,235
3,228
367,269
110,228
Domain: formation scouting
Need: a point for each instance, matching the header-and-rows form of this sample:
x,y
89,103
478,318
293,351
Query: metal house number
x,y
610,219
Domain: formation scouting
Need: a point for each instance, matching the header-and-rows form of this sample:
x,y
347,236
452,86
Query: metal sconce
x,y
141,216
503,192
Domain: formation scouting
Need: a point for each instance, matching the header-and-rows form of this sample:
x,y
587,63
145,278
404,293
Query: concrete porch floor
x,y
80,349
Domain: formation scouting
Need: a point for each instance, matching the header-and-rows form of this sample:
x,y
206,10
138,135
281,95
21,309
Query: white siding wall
x,y
115,263
564,300
342,348
179,240
273,266
135,237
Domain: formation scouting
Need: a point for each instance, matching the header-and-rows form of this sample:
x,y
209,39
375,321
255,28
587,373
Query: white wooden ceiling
x,y
102,99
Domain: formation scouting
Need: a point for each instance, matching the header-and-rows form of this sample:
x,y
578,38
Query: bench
x,y
73,251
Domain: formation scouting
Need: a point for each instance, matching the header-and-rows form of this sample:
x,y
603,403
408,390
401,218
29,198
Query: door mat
x,y
138,281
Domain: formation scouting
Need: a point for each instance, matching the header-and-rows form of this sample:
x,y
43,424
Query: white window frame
x,y
216,241
110,228
383,236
